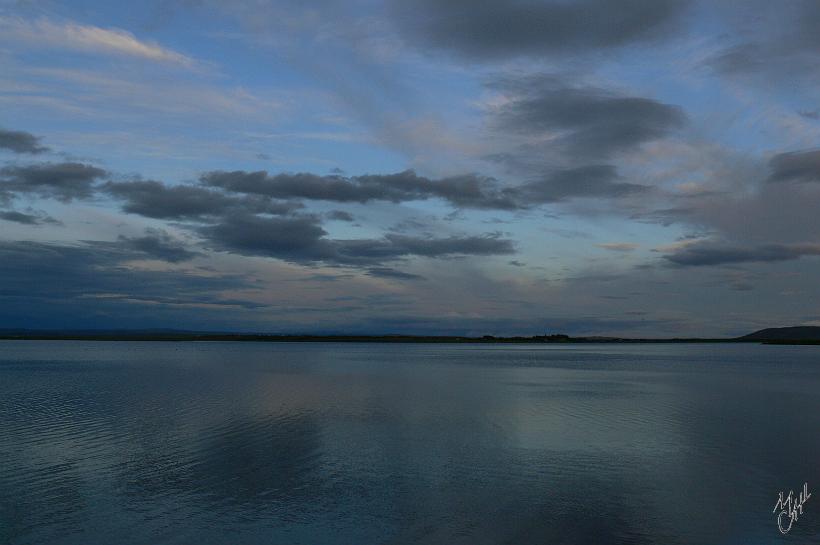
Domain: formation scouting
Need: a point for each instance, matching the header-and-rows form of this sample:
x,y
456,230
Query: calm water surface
x,y
358,444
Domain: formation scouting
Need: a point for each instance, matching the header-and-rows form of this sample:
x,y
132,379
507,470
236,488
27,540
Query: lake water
x,y
358,444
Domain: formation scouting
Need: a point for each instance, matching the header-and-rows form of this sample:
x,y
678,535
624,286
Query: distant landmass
x,y
775,335
786,335
179,335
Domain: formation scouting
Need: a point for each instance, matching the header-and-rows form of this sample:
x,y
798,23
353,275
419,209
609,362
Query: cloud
x,y
618,246
158,244
468,191
664,216
62,181
340,215
253,224
89,39
154,199
295,239
594,181
129,95
799,166
496,30
395,245
20,142
585,121
26,219
90,285
392,274
776,48
747,57
465,191
19,217
748,200
301,239
708,254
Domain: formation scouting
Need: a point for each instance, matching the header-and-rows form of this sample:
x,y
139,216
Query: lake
x,y
358,444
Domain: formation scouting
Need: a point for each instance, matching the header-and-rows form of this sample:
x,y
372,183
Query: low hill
x,y
790,334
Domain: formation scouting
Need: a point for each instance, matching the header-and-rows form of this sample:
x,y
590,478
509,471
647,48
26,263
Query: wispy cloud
x,y
96,93
88,38
618,246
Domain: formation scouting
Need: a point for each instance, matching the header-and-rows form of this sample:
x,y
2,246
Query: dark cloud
x,y
755,202
706,254
742,58
394,245
156,200
325,277
798,166
469,190
300,185
618,246
62,181
340,215
741,286
243,224
158,244
599,181
295,239
472,191
302,239
665,216
392,274
20,142
502,29
19,217
27,219
184,202
780,51
466,191
89,285
588,121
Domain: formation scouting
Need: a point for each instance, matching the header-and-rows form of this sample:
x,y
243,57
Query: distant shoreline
x,y
398,339
787,335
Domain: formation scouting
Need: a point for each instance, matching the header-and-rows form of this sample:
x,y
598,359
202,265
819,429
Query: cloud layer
x,y
498,30
432,164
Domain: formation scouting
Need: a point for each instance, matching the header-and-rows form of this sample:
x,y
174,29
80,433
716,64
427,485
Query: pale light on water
x,y
390,444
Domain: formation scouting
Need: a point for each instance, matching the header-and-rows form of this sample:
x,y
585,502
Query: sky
x,y
589,167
